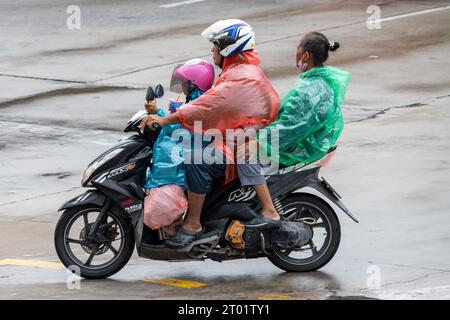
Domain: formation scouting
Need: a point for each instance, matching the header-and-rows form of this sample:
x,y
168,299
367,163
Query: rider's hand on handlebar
x,y
149,120
151,107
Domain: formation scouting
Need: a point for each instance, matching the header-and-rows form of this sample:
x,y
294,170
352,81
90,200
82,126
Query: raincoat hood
x,y
337,79
250,57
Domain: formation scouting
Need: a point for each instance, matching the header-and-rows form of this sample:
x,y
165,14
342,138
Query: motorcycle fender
x,y
322,186
93,197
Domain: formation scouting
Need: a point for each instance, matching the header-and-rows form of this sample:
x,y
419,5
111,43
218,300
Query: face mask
x,y
302,65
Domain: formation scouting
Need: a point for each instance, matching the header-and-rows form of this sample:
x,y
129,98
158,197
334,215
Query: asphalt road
x,y
66,94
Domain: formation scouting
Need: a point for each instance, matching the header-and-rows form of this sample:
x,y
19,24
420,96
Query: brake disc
x,y
83,235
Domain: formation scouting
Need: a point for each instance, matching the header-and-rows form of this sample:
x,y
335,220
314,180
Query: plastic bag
x,y
164,205
310,119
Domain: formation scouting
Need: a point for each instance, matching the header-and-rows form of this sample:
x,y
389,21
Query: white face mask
x,y
302,65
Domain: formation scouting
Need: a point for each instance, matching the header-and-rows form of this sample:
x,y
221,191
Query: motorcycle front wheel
x,y
94,256
326,234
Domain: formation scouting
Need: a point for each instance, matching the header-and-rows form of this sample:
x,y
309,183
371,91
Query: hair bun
x,y
333,45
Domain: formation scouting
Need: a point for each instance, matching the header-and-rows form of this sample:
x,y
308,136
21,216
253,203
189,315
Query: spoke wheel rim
x,y
95,248
284,254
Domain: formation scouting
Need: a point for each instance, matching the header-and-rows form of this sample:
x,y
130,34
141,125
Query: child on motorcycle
x,y
165,180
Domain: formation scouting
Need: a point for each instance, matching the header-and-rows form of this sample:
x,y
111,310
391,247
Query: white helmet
x,y
232,35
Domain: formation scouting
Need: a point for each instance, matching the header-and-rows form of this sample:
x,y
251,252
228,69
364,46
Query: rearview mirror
x,y
150,94
159,91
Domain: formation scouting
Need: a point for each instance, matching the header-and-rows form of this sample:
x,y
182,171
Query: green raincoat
x,y
310,118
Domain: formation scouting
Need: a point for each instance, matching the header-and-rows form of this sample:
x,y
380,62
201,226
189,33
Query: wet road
x,y
65,95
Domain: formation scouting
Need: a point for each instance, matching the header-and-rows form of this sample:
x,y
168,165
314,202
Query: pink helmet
x,y
198,71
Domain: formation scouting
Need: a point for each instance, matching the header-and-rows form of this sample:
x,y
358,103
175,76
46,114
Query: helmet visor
x,y
175,82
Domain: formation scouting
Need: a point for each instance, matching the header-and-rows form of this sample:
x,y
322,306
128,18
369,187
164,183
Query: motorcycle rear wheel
x,y
70,259
308,206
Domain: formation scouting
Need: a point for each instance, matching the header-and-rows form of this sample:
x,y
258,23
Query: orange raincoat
x,y
241,97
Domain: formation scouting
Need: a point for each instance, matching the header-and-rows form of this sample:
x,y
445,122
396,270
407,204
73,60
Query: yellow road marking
x,y
187,284
31,263
273,296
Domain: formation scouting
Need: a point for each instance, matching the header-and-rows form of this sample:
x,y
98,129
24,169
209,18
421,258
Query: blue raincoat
x,y
168,155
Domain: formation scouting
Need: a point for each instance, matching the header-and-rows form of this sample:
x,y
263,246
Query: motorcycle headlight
x,y
87,176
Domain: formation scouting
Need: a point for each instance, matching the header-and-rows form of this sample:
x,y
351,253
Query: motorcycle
x,y
98,230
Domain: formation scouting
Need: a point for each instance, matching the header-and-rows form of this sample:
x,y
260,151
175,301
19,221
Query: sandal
x,y
183,238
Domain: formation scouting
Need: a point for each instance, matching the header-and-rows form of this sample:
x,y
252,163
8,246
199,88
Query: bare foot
x,y
270,214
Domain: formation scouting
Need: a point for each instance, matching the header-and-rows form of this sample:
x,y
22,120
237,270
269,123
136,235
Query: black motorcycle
x,y
98,230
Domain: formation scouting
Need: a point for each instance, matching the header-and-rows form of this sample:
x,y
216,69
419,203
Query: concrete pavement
x,y
65,95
